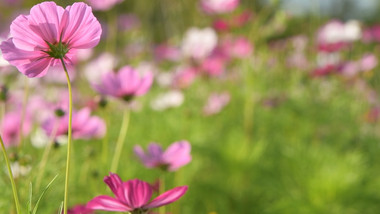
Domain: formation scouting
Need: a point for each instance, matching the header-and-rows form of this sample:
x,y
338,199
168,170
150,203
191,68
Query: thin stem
x,y
69,138
161,210
23,112
105,141
42,165
14,189
120,141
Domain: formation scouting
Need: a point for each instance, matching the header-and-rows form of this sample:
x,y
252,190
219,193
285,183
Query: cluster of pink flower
x,y
51,38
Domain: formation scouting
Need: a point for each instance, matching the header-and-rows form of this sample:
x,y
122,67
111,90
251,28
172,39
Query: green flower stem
x,y
42,165
14,189
161,210
69,137
23,112
120,141
105,145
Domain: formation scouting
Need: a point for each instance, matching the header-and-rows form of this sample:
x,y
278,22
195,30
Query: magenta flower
x,y
133,196
219,6
80,209
84,125
124,84
175,156
49,33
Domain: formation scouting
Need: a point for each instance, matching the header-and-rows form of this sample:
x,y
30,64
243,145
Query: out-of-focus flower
x,y
80,209
371,34
214,65
335,35
184,76
49,34
99,66
350,68
166,52
19,170
103,4
127,22
216,102
84,126
167,100
199,43
10,127
125,84
326,63
133,196
238,47
175,156
221,25
219,6
368,62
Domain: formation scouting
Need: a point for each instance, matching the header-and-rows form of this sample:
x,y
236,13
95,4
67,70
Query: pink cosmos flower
x,y
103,4
219,6
10,127
216,102
49,33
184,76
133,196
124,84
84,126
80,209
368,62
175,156
371,34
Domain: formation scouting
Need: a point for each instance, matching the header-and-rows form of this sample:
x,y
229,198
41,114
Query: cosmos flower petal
x,y
45,21
24,37
177,155
136,193
145,84
167,197
113,181
83,29
107,203
17,56
37,68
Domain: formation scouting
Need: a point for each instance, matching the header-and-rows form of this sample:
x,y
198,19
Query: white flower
x,y
19,170
198,43
167,100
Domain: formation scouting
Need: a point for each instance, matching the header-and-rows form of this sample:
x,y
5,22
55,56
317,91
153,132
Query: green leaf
x,y
43,193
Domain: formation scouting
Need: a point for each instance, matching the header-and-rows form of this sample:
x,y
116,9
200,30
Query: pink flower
x,y
175,156
84,126
49,33
371,34
166,52
368,62
239,47
183,77
133,196
124,84
335,35
219,6
216,103
103,4
80,209
10,127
